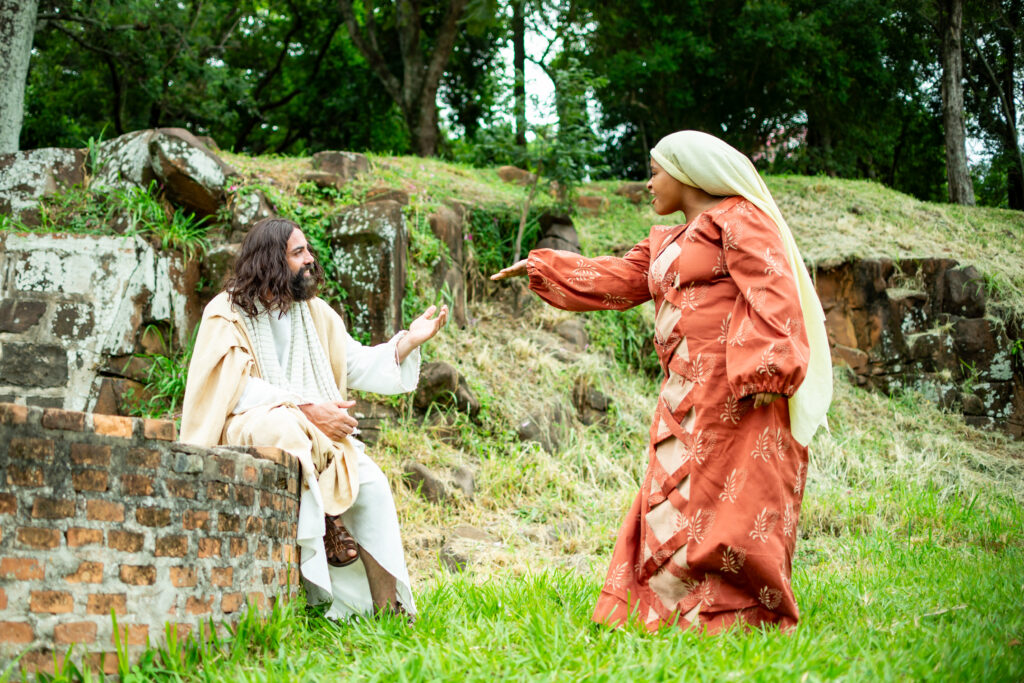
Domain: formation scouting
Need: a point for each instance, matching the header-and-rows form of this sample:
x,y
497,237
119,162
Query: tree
x,y
425,38
950,28
17,26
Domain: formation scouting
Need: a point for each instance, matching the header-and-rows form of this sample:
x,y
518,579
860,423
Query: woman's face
x,y
666,191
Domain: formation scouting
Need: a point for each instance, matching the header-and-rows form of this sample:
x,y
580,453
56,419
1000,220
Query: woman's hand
x,y
515,270
420,330
764,398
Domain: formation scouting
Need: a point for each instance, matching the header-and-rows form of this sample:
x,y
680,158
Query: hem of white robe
x,y
346,588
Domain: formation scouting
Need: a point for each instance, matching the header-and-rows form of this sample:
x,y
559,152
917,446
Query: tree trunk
x,y
958,177
17,26
519,64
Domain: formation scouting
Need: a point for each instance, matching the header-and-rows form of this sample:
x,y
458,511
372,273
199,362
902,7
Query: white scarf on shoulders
x,y
701,160
307,372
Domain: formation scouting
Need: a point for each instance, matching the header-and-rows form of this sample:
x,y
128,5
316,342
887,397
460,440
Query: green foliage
x,y
164,388
627,335
492,233
123,211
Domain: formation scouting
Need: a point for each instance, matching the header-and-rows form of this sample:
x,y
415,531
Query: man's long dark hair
x,y
261,272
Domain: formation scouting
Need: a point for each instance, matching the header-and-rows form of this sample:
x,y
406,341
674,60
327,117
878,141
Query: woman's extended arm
x,y
575,283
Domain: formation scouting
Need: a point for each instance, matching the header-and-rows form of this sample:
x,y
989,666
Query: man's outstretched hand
x,y
331,418
421,329
517,269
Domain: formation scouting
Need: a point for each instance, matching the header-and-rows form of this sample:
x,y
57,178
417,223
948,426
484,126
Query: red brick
x,y
153,516
132,634
89,480
226,467
268,576
24,476
78,536
38,537
53,508
8,504
90,454
183,577
209,547
136,485
239,547
275,554
75,632
250,475
15,632
197,606
102,661
87,572
232,602
245,495
125,541
222,576
253,525
53,602
21,568
102,603
136,575
3,599
104,511
31,449
270,453
112,425
217,490
171,546
228,524
196,519
161,430
261,551
288,553
68,420
143,457
11,414
41,661
258,599
180,489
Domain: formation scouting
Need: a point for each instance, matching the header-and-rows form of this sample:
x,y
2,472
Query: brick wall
x,y
101,513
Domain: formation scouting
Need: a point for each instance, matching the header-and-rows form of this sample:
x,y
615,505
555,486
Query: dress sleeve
x,y
767,344
569,281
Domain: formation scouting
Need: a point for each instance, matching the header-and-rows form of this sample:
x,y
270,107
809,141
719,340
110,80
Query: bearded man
x,y
270,367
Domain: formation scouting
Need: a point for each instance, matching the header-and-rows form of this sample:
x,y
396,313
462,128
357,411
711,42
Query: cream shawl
x,y
701,160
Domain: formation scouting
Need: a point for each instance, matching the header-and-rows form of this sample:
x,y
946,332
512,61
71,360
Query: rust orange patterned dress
x,y
709,539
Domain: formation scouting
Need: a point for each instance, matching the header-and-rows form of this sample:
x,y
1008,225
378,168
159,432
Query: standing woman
x,y
740,334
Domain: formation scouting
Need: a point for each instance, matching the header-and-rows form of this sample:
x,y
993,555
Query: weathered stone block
x,y
193,177
33,365
368,246
345,164
19,315
964,292
28,175
73,321
634,192
442,384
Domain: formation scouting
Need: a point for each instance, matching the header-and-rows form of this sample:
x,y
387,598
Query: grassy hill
x,y
910,563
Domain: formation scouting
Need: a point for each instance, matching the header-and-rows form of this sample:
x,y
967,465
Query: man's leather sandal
x,y
338,542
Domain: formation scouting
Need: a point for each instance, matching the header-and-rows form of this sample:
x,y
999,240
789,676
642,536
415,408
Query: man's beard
x,y
303,287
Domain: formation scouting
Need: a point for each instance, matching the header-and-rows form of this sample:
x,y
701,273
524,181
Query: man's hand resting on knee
x,y
331,418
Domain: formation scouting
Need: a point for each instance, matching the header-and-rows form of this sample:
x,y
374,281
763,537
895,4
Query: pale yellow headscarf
x,y
701,160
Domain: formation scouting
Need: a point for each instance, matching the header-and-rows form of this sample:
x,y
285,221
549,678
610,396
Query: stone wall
x,y
76,307
925,324
103,513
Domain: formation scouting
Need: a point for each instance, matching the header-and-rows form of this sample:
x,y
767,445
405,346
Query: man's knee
x,y
280,427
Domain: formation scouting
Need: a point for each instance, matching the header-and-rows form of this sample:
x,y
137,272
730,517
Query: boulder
x,y
368,249
439,487
193,177
547,427
372,416
964,293
324,180
557,232
634,192
214,270
450,274
27,176
247,208
346,165
443,385
512,174
123,162
591,204
575,332
591,405
379,194
452,559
